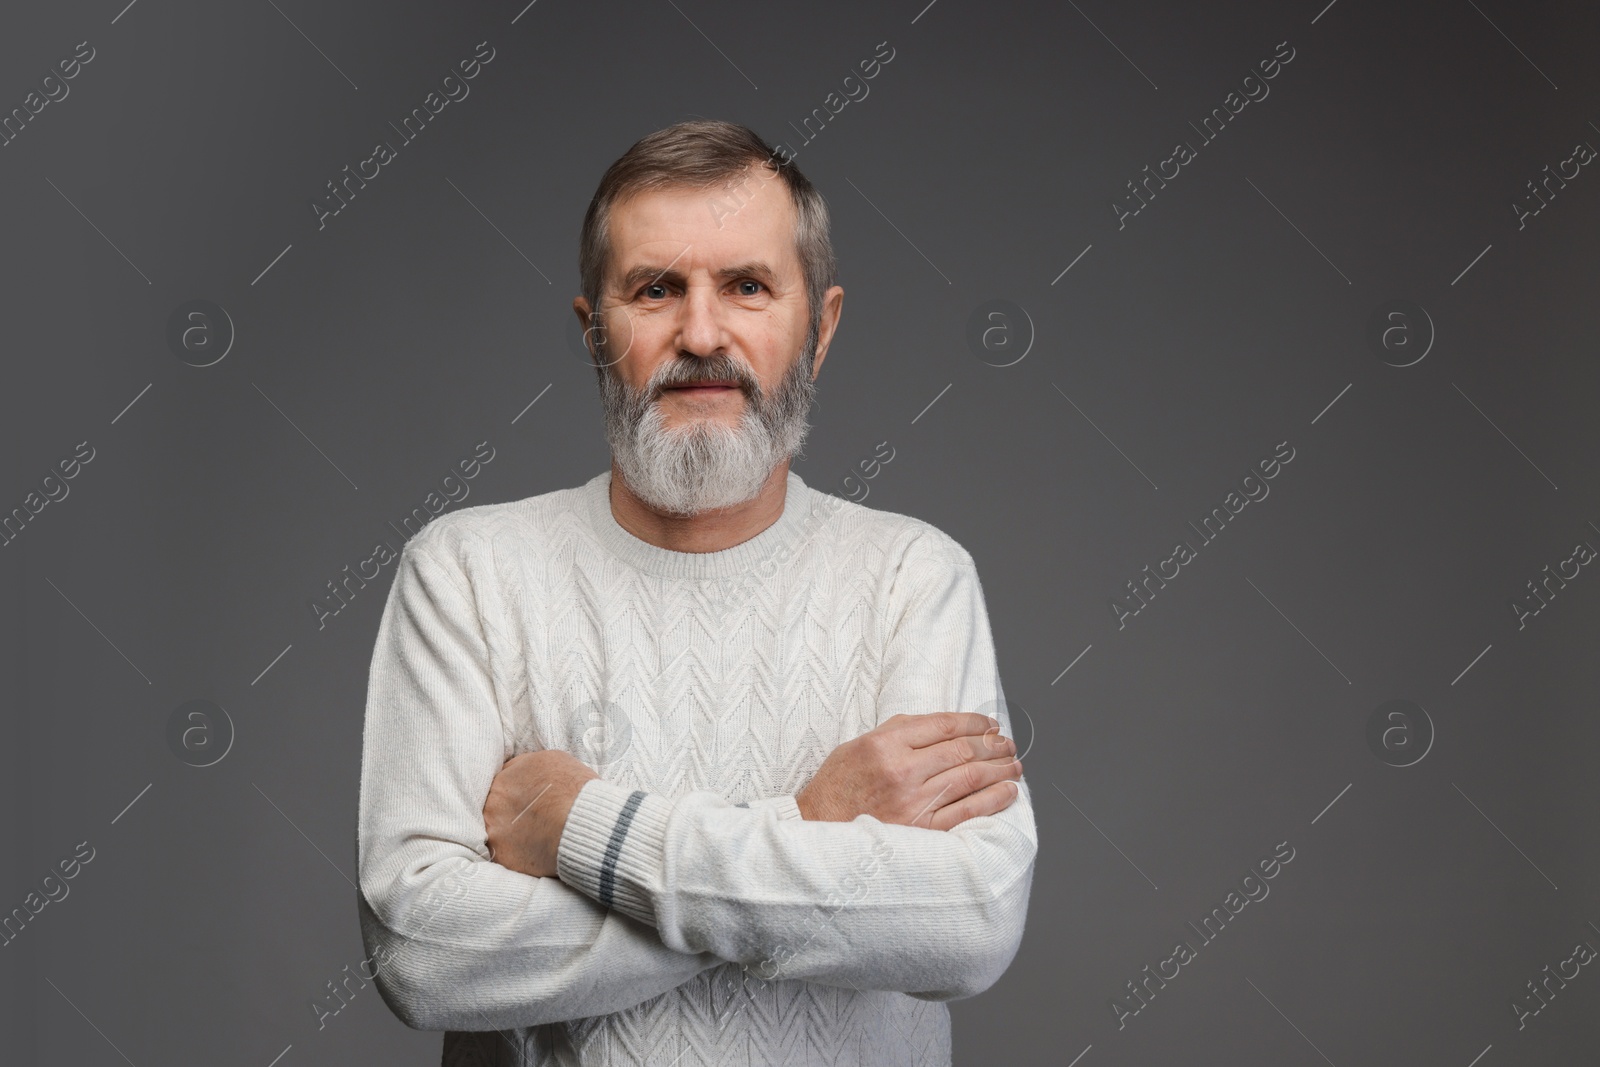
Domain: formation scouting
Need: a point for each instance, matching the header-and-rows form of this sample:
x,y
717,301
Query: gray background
x,y
1226,717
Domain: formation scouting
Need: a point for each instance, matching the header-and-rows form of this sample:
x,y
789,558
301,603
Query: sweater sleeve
x,y
936,914
457,941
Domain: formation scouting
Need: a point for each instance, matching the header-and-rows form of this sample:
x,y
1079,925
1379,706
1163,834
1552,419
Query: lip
x,y
702,388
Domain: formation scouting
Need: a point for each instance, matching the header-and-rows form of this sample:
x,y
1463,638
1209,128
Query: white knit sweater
x,y
697,919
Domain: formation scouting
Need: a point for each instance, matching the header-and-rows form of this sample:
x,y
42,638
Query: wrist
x,y
814,809
562,803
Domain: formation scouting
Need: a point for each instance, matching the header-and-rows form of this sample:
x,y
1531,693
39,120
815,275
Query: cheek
x,y
771,340
626,337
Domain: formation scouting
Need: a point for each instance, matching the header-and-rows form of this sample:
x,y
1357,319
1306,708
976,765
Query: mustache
x,y
693,370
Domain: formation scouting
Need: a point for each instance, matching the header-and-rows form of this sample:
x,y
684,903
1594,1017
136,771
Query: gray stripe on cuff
x,y
608,866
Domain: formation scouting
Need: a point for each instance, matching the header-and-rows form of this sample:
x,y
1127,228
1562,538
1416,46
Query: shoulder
x,y
920,576
902,541
515,527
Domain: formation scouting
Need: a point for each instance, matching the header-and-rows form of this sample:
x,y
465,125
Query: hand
x,y
527,809
933,771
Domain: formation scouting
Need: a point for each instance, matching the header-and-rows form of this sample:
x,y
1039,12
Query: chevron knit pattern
x,y
696,919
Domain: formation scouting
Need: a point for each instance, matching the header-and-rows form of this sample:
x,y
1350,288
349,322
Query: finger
x,y
991,801
919,731
934,759
971,777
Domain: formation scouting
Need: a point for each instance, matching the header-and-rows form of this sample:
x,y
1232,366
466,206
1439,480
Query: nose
x,y
701,329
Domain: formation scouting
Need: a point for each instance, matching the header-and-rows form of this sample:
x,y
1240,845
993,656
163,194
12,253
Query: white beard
x,y
706,465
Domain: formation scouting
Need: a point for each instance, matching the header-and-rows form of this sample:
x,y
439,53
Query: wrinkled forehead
x,y
694,231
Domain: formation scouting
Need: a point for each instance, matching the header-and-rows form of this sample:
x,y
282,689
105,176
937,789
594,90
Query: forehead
x,y
752,219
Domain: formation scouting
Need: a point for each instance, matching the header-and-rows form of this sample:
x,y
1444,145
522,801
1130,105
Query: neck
x,y
704,531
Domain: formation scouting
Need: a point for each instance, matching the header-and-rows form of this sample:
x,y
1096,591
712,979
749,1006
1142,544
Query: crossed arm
x,y
651,891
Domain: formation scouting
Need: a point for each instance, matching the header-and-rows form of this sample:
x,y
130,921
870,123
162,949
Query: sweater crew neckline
x,y
724,563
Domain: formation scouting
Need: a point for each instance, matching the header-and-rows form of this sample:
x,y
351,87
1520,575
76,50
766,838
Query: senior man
x,y
692,763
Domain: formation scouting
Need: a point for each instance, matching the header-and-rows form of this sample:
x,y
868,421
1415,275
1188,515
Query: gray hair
x,y
705,154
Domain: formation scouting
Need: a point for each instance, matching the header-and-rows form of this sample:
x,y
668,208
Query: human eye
x,y
757,287
654,291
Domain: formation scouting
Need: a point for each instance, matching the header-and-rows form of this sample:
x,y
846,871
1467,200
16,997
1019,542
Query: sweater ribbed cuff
x,y
785,806
613,845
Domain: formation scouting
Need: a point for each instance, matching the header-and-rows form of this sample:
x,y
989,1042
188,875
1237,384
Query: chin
x,y
689,415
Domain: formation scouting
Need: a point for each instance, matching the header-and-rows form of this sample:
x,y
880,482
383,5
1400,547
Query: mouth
x,y
704,388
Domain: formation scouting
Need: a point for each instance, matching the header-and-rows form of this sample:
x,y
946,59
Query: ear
x,y
580,307
832,307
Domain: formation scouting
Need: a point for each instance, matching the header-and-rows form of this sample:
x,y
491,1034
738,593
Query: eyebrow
x,y
644,272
